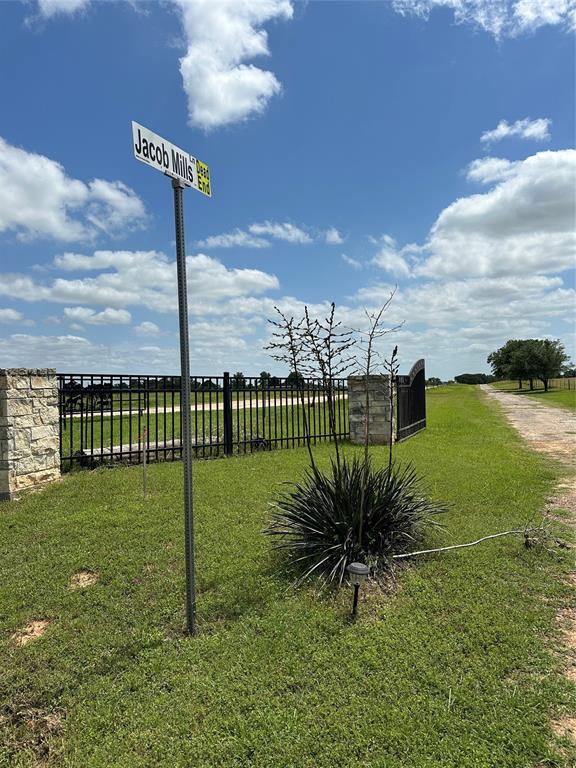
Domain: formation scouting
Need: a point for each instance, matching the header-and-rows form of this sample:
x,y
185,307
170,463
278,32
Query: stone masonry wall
x,y
29,432
379,420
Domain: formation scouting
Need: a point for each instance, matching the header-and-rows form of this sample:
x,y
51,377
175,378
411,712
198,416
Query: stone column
x,y
379,419
29,430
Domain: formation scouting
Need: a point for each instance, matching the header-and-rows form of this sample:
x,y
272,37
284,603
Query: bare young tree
x,y
318,349
328,351
391,367
288,347
322,349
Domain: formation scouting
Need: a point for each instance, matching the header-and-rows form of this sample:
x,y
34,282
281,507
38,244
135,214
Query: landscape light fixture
x,y
357,572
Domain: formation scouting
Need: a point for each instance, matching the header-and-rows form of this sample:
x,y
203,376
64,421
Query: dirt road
x,y
551,431
546,429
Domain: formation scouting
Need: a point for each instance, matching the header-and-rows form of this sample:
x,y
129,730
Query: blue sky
x,y
353,147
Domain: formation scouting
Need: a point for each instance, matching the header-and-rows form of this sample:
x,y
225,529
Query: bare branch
x,y
523,531
288,346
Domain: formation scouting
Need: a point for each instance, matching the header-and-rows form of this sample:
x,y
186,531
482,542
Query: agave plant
x,y
353,512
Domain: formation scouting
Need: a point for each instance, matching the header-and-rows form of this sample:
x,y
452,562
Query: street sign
x,y
170,159
185,171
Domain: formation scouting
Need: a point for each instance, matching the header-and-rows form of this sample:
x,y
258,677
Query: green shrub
x,y
353,512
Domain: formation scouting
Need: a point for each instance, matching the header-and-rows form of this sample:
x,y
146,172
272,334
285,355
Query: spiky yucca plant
x,y
318,522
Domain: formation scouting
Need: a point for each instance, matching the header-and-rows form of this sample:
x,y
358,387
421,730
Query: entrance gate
x,y
411,402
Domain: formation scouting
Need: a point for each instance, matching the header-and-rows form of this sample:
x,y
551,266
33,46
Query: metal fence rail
x,y
566,382
562,382
111,418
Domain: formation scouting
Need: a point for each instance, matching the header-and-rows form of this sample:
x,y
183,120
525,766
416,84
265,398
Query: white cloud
x,y
236,239
79,354
88,316
49,8
210,279
472,301
222,36
488,169
139,278
120,260
38,199
354,263
147,328
536,130
453,324
19,286
260,234
333,237
211,330
524,225
390,258
285,231
113,207
532,14
501,18
76,353
11,316
30,351
456,323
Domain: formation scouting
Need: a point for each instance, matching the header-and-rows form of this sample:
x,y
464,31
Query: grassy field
x,y
459,666
562,398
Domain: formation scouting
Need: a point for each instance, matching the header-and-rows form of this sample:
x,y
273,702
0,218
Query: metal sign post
x,y
185,171
185,415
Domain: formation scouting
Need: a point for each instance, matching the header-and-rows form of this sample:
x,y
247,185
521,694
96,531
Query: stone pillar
x,y
29,430
379,420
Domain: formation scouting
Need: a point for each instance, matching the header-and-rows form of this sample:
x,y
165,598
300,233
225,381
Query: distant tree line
x,y
266,381
474,378
530,359
238,381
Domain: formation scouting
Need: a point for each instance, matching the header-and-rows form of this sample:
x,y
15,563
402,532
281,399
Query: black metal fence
x,y
411,401
111,418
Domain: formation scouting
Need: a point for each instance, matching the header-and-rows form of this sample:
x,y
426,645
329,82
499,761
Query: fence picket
x,y
98,413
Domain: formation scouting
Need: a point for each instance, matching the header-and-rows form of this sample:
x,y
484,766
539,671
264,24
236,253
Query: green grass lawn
x,y
458,667
560,398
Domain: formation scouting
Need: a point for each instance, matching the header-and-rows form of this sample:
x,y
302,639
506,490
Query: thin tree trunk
x,y
391,438
332,419
307,430
366,441
366,415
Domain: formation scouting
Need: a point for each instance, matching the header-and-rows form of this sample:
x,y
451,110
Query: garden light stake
x,y
357,573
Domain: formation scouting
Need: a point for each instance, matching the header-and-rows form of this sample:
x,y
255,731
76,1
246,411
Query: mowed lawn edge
x,y
459,666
